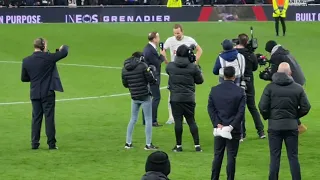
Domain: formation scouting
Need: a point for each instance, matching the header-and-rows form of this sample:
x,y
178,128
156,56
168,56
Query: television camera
x,y
266,74
252,44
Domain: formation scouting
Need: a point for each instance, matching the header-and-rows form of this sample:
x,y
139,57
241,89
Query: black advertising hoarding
x,y
95,15
151,14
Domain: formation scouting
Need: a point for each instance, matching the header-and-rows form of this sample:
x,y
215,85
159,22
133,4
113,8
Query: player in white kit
x,y
173,43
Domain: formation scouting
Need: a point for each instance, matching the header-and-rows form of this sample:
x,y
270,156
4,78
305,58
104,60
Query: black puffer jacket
x,y
183,75
283,102
152,175
279,55
251,61
136,76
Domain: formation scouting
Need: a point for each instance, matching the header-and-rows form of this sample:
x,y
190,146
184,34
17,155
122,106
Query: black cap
x,y
159,162
227,45
137,54
182,51
269,45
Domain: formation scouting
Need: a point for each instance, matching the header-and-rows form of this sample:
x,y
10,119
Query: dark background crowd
x,y
18,3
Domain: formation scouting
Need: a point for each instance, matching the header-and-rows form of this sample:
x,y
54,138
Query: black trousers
x,y
220,144
187,110
283,24
46,107
251,104
156,97
290,138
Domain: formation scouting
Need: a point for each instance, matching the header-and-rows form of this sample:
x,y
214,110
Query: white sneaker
x,y
170,121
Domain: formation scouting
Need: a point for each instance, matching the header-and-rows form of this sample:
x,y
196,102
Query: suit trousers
x,y
290,138
220,144
46,107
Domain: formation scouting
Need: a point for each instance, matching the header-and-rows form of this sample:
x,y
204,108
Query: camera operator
x,y
183,75
41,71
251,66
279,55
137,76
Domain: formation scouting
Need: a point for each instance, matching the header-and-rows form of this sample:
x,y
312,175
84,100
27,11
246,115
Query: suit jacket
x,y
152,57
226,105
41,71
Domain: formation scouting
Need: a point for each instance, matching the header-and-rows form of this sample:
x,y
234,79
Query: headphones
x,y
42,44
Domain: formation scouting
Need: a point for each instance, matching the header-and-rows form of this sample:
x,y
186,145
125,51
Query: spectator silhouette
x,y
157,166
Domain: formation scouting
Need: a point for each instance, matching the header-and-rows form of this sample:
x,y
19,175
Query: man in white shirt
x,y
173,43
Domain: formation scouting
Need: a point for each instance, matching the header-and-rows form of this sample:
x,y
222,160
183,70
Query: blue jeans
x,y
147,110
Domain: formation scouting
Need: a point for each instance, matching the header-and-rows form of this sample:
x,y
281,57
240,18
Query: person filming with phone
x,y
41,71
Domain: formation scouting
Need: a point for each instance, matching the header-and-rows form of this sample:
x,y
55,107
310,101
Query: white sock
x,y
148,145
197,146
169,109
178,146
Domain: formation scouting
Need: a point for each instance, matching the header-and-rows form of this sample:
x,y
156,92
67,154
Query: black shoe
x,y
53,148
128,146
151,147
177,149
198,149
156,124
262,135
35,146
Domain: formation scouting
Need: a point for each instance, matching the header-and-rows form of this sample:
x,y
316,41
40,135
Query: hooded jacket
x,y
152,175
136,76
279,55
283,102
230,58
183,75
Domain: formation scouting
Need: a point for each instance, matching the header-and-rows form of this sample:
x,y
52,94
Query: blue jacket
x,y
226,105
226,55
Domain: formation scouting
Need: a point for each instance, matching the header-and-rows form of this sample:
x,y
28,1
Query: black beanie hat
x,y
182,51
159,162
269,45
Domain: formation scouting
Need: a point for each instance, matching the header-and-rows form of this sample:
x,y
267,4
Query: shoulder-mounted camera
x,y
252,43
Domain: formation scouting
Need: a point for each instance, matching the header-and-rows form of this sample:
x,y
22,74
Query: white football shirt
x,y
172,43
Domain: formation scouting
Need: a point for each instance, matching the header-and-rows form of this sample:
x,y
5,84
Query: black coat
x,y
226,105
251,61
183,75
136,76
40,70
283,102
282,55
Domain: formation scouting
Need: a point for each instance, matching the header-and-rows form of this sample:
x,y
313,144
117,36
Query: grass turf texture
x,y
91,133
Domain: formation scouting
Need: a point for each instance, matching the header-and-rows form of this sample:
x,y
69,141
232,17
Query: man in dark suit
x,y
153,58
226,107
282,103
40,70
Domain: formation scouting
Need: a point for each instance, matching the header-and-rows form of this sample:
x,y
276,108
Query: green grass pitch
x,y
91,133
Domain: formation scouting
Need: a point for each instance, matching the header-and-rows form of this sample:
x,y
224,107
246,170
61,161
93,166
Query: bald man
x,y
282,103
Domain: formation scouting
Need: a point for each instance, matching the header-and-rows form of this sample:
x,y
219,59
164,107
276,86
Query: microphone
x,y
161,46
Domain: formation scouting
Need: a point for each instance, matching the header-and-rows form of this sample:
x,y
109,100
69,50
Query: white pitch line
x,y
79,98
